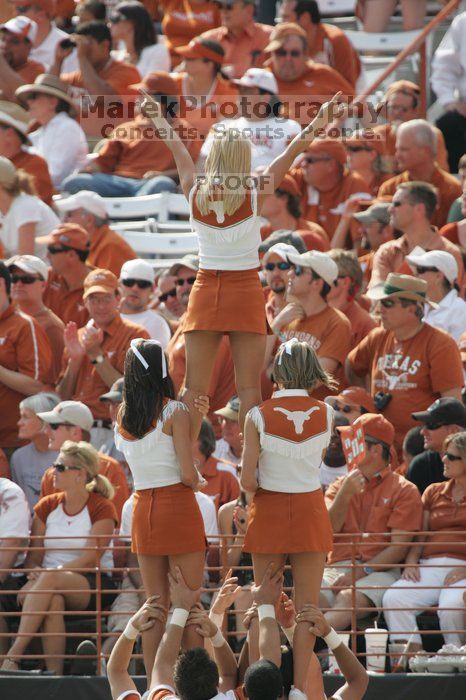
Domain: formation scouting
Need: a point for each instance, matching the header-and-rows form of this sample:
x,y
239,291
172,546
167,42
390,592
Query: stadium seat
x,y
155,245
162,206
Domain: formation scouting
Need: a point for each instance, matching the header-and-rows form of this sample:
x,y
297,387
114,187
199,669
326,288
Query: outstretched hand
x,y
328,112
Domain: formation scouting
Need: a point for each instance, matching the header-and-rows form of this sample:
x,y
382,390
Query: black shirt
x,y
426,469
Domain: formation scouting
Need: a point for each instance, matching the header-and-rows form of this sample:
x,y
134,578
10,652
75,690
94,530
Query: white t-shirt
x,y
26,209
269,137
154,323
450,316
14,514
328,475
45,52
154,57
166,692
223,451
63,144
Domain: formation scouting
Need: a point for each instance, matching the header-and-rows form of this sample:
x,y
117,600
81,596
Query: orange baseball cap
x,y
280,32
332,147
288,184
70,235
375,426
158,81
100,281
203,48
356,396
368,139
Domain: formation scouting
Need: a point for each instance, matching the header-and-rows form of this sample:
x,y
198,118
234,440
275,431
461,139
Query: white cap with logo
x,y
137,270
90,201
69,413
283,250
321,263
29,263
443,261
21,26
260,78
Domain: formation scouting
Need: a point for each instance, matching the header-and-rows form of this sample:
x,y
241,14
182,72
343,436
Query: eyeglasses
x,y
357,149
294,53
55,426
64,468
346,408
142,284
390,303
225,6
313,159
397,204
298,270
24,279
452,458
421,270
180,282
171,293
55,249
22,9
280,265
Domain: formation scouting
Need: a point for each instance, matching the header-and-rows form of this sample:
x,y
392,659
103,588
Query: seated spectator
x,y
456,231
440,270
25,216
389,504
302,84
83,509
113,399
282,209
14,142
401,104
325,184
29,463
327,43
28,280
124,165
243,39
407,363
72,420
25,360
16,68
67,253
259,120
413,445
310,318
343,295
59,139
334,459
366,158
184,20
276,268
222,487
412,212
434,572
352,402
376,14
376,229
137,279
168,304
134,37
229,448
449,84
107,248
416,152
443,418
95,354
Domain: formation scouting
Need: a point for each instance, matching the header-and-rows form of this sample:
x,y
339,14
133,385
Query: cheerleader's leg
x,y
192,568
154,574
248,350
201,350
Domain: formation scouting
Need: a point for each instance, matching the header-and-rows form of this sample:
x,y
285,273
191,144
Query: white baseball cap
x,y
260,78
283,250
70,413
21,26
321,263
29,263
443,261
137,270
90,201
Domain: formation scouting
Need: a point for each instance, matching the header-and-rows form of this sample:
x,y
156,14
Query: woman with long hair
x,y
285,438
227,297
153,432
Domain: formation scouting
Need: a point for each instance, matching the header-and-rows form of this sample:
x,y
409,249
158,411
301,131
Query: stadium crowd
x,y
316,344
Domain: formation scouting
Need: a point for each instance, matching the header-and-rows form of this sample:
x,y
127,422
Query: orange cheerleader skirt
x,y
167,521
287,523
226,301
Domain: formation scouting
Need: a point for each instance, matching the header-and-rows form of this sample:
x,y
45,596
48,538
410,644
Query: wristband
x,y
179,617
333,640
289,633
217,618
218,640
266,611
130,631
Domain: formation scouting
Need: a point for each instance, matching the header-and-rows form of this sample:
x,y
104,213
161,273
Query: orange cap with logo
x,y
375,426
332,147
357,396
100,281
70,235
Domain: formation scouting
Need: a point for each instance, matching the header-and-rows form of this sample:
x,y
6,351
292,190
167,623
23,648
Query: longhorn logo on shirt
x,y
298,418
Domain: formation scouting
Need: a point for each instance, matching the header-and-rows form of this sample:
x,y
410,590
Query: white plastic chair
x,y
336,8
155,245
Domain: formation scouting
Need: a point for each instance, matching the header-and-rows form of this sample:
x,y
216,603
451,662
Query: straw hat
x,y
398,286
47,84
15,116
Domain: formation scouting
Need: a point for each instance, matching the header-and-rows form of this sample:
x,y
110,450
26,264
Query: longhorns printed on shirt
x,y
394,379
298,418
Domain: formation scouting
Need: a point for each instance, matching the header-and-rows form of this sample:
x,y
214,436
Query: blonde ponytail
x,y
101,485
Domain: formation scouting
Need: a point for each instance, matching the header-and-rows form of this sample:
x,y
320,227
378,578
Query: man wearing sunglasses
x,y
137,279
16,68
444,417
276,267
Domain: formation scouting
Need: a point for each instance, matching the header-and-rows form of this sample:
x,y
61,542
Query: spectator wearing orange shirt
x,y
366,158
416,152
16,68
222,487
376,230
243,39
183,20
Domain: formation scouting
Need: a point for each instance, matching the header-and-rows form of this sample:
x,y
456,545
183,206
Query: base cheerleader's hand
x,y
285,611
146,616
250,615
202,403
205,627
327,113
227,594
319,625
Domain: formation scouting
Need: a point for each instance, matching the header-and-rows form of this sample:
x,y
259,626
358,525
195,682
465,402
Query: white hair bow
x,y
142,360
287,348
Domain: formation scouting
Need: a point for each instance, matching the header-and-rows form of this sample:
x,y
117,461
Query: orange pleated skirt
x,y
167,521
287,523
226,301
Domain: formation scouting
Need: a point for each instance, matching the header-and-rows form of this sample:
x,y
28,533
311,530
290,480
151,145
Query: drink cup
x,y
333,666
376,646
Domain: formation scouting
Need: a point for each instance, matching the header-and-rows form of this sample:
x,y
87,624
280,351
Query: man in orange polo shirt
x,y
243,39
370,501
416,153
25,360
67,251
222,487
107,248
16,68
95,354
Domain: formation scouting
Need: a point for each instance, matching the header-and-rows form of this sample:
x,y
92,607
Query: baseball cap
x,y
331,147
283,236
401,287
70,413
202,48
190,261
283,250
444,411
158,82
7,172
70,235
321,263
115,393
29,263
375,426
289,184
100,281
376,213
21,26
443,261
260,78
137,270
231,410
90,201
356,396
280,32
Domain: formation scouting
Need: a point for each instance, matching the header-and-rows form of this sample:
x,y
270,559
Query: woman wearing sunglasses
x,y
227,297
435,571
59,577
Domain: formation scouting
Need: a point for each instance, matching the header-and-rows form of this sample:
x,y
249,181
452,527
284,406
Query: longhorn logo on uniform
x,y
298,418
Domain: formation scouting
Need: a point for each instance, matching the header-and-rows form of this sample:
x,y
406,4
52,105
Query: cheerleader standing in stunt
x,y
227,297
153,432
285,438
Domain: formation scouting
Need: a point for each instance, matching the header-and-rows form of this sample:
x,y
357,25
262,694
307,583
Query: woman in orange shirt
x,y
185,19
